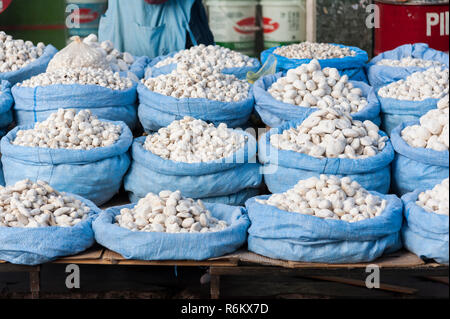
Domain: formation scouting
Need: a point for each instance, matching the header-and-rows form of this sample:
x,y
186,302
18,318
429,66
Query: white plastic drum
x,y
233,24
284,22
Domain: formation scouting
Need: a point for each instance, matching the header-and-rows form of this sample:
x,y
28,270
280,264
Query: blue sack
x,y
275,113
93,174
150,173
416,168
36,104
2,178
34,68
292,236
395,112
35,246
283,169
138,67
425,234
166,246
156,110
240,73
6,103
382,75
353,66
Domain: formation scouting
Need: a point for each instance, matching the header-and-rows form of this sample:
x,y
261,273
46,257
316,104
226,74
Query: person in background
x,y
155,27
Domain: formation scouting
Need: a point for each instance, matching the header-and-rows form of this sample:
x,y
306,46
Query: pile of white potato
x,y
214,56
16,54
435,200
431,83
409,62
329,197
311,86
192,141
171,213
199,80
312,50
31,205
433,131
66,129
82,76
331,133
117,60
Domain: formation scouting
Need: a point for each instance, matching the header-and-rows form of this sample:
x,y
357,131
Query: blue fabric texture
x,y
292,236
34,246
6,104
138,67
32,69
156,110
240,73
275,113
94,174
2,178
36,104
381,75
416,168
353,66
283,169
425,234
165,246
395,112
222,178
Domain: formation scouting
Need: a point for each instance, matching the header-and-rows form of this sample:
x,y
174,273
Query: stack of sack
x,y
84,75
204,82
409,82
73,152
348,60
215,164
295,94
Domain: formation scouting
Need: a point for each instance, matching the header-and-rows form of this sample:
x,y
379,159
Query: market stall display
x,y
327,142
178,228
348,60
20,60
36,213
301,91
421,151
324,237
425,231
73,152
216,164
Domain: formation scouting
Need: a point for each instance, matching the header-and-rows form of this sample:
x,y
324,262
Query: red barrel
x,y
412,22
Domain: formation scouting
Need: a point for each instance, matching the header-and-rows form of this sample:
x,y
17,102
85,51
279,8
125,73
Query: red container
x,y
409,22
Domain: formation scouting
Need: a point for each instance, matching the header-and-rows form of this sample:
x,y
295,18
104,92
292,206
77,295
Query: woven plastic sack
x,y
138,67
283,169
32,69
416,168
153,71
353,66
425,234
94,174
150,173
6,104
165,246
275,113
381,75
156,110
34,246
292,236
36,104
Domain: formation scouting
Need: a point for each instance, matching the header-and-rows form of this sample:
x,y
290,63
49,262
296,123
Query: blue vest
x,y
149,30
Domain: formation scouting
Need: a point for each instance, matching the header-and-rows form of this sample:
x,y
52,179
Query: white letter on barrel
x,y
432,20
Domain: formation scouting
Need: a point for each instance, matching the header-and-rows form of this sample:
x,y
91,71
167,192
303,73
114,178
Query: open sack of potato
x,y
325,219
169,226
39,224
215,164
425,231
73,152
328,141
298,92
